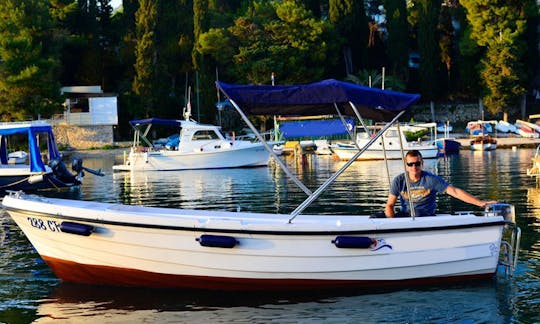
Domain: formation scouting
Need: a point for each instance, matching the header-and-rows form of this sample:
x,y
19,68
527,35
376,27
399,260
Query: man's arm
x,y
390,204
467,197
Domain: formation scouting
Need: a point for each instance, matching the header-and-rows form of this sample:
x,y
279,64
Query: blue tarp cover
x,y
317,98
314,128
36,163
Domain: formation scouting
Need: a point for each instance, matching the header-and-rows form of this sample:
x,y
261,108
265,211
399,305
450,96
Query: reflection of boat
x,y
387,146
108,243
30,172
483,143
200,147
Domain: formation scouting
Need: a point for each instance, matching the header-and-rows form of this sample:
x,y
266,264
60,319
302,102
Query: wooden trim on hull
x,y
103,275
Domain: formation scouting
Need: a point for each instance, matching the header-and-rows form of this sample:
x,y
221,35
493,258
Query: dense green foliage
x,y
151,51
499,26
29,54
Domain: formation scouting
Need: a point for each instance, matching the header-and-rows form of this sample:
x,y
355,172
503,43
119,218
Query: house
x,y
89,118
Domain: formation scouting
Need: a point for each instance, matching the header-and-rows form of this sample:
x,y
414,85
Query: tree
x,y
397,43
145,52
349,17
428,47
29,60
280,37
498,27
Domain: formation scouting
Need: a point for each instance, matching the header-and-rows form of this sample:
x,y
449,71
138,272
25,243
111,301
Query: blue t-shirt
x,y
423,192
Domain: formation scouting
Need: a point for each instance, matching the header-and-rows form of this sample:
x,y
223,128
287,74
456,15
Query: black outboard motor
x,y
61,172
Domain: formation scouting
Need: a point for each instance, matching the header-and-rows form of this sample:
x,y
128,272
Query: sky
x,y
116,3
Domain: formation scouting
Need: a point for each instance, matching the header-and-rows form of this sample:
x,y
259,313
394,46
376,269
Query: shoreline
x,y
502,141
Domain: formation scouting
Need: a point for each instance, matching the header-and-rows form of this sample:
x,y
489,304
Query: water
x,y
29,292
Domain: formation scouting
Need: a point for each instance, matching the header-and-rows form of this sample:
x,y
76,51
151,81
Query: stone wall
x,y
453,113
83,137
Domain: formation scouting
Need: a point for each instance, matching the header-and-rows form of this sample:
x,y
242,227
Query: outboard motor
x,y
501,209
76,165
61,172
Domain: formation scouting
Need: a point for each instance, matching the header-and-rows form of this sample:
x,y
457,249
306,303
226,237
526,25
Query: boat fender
x,y
217,241
35,178
76,228
353,242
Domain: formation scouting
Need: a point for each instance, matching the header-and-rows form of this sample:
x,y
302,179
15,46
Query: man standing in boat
x,y
423,188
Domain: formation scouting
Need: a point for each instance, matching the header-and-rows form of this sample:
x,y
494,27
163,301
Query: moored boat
x,y
388,146
483,143
29,171
447,144
114,244
199,146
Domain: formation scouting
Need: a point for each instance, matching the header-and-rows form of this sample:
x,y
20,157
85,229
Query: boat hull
x,y
159,247
24,179
252,155
485,143
448,145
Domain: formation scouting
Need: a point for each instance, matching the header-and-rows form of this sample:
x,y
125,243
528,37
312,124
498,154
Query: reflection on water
x,y
29,291
476,303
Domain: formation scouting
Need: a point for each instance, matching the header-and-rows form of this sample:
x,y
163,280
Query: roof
x,y
317,98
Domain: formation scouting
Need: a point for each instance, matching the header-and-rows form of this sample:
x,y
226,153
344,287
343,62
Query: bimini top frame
x,y
318,98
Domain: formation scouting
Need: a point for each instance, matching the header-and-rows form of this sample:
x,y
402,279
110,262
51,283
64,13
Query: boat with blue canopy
x,y
32,172
128,245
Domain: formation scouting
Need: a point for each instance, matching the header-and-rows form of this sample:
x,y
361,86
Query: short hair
x,y
414,153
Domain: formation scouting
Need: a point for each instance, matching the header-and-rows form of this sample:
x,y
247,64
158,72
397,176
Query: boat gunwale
x,y
295,232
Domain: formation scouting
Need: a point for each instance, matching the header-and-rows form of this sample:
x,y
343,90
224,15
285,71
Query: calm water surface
x,y
29,292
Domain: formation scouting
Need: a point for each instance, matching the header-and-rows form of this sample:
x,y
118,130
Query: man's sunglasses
x,y
417,163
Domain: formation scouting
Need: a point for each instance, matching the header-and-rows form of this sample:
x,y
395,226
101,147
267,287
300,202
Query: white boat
x,y
114,244
200,146
483,143
480,127
527,130
505,127
42,167
17,157
388,146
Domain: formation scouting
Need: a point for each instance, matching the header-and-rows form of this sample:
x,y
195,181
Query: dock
x,y
502,142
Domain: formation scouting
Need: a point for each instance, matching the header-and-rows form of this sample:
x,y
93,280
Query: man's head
x,y
414,162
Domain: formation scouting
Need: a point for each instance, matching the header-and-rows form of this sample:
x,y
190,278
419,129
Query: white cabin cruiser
x,y
200,146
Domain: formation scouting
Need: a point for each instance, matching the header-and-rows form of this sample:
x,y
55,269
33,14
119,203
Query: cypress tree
x,y
145,53
428,47
349,17
397,43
